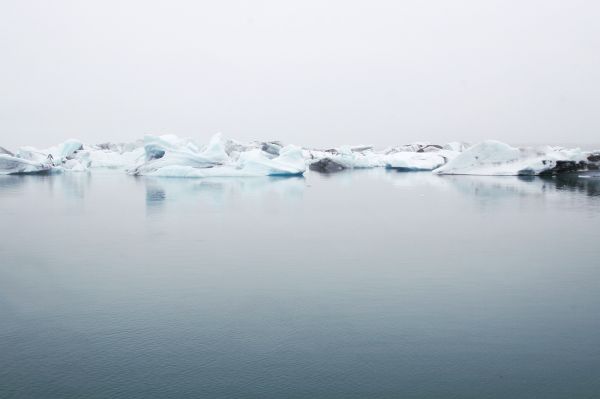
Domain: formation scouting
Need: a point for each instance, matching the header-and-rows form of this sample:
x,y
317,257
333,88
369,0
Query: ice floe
x,y
417,161
10,164
495,158
410,157
170,157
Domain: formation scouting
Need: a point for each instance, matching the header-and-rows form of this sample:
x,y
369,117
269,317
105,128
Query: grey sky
x,y
306,72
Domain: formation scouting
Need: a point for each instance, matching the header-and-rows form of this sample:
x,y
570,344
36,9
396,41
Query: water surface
x,y
366,284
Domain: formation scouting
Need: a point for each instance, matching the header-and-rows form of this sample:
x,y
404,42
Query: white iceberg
x,y
172,157
345,157
418,161
420,156
494,158
10,164
64,156
109,159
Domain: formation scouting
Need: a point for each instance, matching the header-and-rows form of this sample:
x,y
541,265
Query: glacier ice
x,y
409,157
169,157
417,161
495,158
327,165
345,157
173,156
10,164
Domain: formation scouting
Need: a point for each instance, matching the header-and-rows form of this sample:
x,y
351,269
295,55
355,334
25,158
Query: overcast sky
x,y
319,72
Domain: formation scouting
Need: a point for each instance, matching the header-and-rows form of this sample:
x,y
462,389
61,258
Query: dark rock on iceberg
x,y
326,165
593,161
565,167
594,157
271,147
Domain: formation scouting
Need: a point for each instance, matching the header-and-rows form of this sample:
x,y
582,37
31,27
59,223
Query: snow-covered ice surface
x,y
409,157
169,156
173,156
10,164
495,158
419,161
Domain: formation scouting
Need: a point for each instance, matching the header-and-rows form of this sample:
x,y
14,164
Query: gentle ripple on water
x,y
362,284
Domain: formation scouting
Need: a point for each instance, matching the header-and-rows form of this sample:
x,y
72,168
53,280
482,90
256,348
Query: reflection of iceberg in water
x,y
585,184
69,185
501,187
395,177
75,185
155,196
415,179
11,182
498,187
218,191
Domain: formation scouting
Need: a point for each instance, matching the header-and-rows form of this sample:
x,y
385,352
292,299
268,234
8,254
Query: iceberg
x,y
4,151
345,157
495,158
169,156
173,156
111,159
408,157
327,165
10,164
62,156
416,161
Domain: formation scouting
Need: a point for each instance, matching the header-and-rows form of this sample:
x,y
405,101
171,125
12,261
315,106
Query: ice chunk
x,y
215,150
172,152
74,165
6,152
289,162
32,154
66,150
114,160
347,157
327,165
10,164
271,147
170,156
415,161
496,158
57,154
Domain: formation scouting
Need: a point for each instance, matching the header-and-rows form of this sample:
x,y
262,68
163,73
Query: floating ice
x,y
496,158
345,157
416,161
410,157
171,157
327,165
10,164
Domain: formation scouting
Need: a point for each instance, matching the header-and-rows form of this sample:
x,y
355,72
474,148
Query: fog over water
x,y
314,73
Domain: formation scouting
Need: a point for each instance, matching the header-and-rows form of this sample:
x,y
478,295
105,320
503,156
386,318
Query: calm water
x,y
367,284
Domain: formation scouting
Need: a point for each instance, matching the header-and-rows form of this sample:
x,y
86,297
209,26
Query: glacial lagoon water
x,y
366,284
